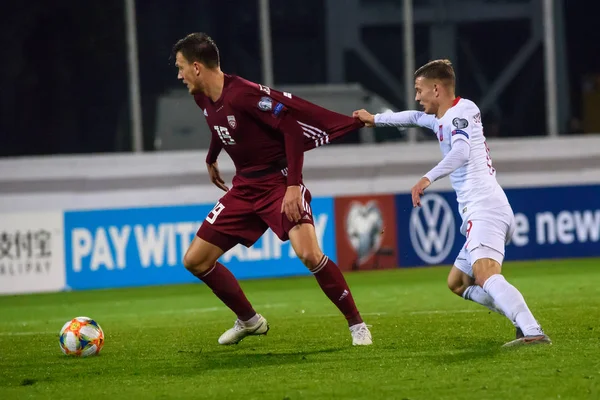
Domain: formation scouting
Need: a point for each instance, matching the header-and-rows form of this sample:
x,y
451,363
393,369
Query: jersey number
x,y
224,135
214,213
489,159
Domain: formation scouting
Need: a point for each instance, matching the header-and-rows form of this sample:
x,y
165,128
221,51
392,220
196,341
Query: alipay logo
x,y
432,229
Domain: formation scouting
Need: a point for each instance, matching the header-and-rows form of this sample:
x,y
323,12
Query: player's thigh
x,y
232,221
201,255
304,242
269,210
488,233
463,262
301,234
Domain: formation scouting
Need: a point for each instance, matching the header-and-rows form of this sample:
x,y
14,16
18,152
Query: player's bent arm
x,y
456,158
405,119
294,148
213,150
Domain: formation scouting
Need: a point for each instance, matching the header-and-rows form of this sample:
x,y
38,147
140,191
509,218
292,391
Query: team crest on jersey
x,y
232,122
460,123
265,104
265,89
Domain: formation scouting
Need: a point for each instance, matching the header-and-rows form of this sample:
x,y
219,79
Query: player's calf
x,y
330,278
506,297
201,260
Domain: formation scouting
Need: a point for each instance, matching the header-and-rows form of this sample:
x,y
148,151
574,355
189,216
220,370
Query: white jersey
x,y
474,181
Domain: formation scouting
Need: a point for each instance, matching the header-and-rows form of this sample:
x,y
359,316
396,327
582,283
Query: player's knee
x,y
458,281
195,263
311,258
457,288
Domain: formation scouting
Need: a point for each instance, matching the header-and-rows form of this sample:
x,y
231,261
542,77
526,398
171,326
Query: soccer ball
x,y
81,337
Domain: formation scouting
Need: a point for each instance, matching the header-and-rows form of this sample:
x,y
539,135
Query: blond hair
x,y
437,69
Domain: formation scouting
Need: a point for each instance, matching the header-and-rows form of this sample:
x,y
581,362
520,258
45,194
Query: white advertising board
x,y
31,252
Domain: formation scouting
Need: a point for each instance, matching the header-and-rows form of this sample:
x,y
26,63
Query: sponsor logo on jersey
x,y
432,229
232,122
441,133
265,104
477,118
460,123
205,113
287,94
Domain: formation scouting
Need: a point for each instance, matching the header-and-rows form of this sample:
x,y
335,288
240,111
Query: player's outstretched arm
x,y
365,117
397,119
406,119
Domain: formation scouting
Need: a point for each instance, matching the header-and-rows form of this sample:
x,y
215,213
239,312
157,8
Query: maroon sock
x,y
228,290
334,285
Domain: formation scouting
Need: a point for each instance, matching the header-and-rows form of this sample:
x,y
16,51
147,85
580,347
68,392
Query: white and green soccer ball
x,y
81,337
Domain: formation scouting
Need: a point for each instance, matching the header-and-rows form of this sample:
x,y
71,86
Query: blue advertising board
x,y
145,246
551,222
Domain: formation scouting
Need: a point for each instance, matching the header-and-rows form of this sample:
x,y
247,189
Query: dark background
x,y
63,70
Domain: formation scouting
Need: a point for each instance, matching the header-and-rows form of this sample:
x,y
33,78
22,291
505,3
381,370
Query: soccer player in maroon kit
x,y
265,132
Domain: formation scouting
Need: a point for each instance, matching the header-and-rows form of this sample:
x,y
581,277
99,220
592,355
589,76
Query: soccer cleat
x,y
361,336
528,340
240,331
520,333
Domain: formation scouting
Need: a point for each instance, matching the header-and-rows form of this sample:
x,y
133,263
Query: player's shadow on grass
x,y
464,352
238,360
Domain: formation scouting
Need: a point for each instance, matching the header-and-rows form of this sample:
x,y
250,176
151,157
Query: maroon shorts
x,y
248,209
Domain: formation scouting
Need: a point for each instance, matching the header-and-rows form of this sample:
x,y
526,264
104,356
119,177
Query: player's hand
x,y
418,190
215,176
365,117
292,203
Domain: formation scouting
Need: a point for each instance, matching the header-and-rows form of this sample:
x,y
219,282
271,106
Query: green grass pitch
x,y
161,342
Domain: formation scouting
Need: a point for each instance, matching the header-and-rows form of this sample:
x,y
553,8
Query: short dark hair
x,y
198,47
437,69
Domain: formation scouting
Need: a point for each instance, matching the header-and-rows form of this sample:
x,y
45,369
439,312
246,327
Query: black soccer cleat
x,y
519,333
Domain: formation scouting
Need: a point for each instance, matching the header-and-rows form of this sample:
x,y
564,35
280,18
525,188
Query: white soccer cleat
x,y
361,336
240,331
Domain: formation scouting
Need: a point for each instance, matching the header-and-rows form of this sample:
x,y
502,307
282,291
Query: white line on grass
x,y
132,315
414,312
27,333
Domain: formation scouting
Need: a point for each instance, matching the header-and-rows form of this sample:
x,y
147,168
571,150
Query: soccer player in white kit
x,y
487,217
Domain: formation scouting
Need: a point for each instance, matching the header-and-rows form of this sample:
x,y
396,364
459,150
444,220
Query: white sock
x,y
478,295
252,321
512,304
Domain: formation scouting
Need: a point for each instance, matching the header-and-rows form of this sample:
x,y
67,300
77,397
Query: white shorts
x,y
487,232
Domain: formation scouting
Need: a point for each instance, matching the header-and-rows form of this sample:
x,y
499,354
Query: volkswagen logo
x,y
432,229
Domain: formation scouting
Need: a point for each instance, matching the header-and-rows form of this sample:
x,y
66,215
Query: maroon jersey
x,y
258,126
